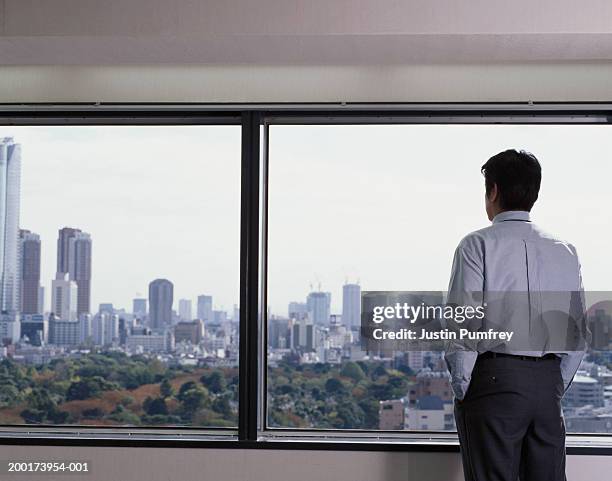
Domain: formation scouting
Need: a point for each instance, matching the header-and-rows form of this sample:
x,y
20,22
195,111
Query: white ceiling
x,y
302,32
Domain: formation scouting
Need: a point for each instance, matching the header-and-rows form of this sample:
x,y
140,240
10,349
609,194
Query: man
x,y
508,399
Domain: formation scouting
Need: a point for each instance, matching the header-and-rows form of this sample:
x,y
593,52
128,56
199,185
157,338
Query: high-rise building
x,y
189,331
303,335
161,297
34,328
85,328
63,248
297,310
219,317
319,305
351,305
205,308
30,272
105,329
279,333
139,308
184,307
74,259
64,298
10,185
64,332
9,328
41,299
106,307
80,270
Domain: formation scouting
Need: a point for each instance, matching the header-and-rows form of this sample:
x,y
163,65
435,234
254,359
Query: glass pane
x,y
120,263
382,207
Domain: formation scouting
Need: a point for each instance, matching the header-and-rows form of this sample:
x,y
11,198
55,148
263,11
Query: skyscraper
x,y
297,310
10,180
64,298
30,272
74,258
161,296
205,308
319,305
63,248
139,308
351,305
184,308
80,270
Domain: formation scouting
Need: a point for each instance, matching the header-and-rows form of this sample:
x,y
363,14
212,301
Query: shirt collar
x,y
512,215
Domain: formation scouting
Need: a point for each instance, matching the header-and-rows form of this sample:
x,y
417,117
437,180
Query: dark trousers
x,y
510,422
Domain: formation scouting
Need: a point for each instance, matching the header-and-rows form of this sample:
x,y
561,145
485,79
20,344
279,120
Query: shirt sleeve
x,y
466,287
570,361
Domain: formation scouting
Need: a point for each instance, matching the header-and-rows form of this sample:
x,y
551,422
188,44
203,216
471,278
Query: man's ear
x,y
493,194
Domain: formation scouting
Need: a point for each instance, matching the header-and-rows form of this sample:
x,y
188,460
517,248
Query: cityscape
x,y
172,361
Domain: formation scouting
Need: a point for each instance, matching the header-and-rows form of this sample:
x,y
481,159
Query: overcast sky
x,y
388,204
157,201
385,205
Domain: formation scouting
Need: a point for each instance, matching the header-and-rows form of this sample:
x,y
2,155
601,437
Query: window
x,y
130,247
382,207
120,275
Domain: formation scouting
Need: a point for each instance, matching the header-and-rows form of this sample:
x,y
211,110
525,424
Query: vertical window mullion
x,y
249,277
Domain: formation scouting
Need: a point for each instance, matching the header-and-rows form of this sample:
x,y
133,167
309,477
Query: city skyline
x,y
130,212
123,158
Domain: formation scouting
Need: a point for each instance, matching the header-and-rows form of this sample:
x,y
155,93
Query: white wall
x,y
304,50
157,464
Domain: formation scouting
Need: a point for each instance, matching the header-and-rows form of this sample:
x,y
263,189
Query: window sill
x,y
435,443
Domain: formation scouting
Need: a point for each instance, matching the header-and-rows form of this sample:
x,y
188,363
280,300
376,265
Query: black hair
x,y
517,175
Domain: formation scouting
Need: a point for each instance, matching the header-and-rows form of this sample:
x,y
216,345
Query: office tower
x,y
303,335
139,308
191,331
297,310
184,307
105,329
41,299
10,180
64,332
125,326
106,307
34,327
205,309
64,298
150,342
74,258
219,317
80,265
30,272
279,333
318,305
85,328
351,305
161,295
9,328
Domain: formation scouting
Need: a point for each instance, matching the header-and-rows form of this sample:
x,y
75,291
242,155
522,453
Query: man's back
x,y
508,393
516,255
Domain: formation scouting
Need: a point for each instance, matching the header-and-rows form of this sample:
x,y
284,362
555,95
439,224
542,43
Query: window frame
x,y
255,120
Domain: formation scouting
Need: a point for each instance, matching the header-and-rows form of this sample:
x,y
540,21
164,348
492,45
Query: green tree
x,y
155,406
165,389
214,382
192,397
352,371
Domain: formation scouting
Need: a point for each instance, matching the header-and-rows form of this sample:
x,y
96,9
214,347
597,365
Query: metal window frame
x,y
255,120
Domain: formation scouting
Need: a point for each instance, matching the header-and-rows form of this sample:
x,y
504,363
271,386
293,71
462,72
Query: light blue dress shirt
x,y
511,255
